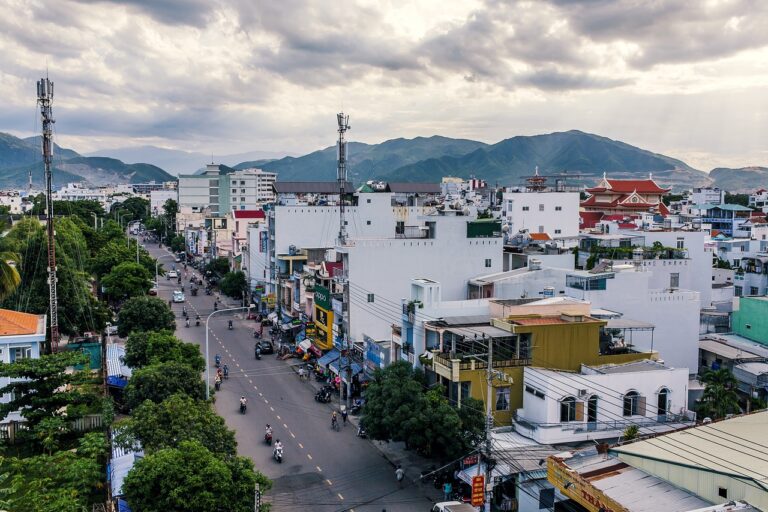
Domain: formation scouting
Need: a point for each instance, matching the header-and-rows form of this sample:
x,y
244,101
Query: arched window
x,y
662,402
631,403
592,409
568,409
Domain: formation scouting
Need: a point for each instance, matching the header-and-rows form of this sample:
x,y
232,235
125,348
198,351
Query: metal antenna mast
x,y
341,174
44,99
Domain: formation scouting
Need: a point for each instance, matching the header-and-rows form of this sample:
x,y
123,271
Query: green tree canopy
x,y
136,207
719,398
234,284
45,392
159,381
126,280
118,251
175,419
83,208
218,266
144,348
192,479
9,275
144,314
177,243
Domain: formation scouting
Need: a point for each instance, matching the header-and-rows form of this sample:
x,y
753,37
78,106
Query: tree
x,y
177,243
9,276
127,280
65,481
136,207
719,398
192,479
170,210
44,392
472,417
218,266
740,199
159,381
117,251
234,284
175,419
145,314
144,348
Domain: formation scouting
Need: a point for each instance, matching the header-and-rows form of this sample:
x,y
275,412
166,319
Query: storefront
x,y
323,318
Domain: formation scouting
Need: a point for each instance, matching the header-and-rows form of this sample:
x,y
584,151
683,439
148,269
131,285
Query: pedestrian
x,y
399,474
344,414
447,488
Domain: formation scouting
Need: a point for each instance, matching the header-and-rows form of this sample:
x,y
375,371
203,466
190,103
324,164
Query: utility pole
x,y
489,374
44,99
341,279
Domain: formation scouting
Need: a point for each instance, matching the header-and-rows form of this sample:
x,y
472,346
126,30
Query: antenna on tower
x,y
341,174
29,182
44,99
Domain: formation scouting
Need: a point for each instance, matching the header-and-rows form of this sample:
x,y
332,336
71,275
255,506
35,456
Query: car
x,y
178,296
266,347
172,274
152,291
177,259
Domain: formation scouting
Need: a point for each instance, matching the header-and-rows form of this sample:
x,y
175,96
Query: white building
x,y
759,200
14,201
599,402
250,189
21,337
707,195
78,192
554,213
220,188
157,199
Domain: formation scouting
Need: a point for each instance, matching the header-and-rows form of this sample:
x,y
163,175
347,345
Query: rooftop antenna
x,y
44,99
341,174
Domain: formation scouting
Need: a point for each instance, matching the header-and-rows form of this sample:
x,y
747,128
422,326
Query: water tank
x,y
549,291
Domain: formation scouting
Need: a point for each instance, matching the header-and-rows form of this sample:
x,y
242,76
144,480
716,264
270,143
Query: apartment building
x,y
220,188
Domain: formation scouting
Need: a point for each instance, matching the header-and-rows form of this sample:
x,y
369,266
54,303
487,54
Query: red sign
x,y
478,490
470,460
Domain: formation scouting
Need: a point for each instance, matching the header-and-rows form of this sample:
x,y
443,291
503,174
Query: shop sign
x,y
579,489
470,460
323,297
478,490
270,299
263,238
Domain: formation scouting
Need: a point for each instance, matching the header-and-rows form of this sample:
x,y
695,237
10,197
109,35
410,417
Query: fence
x,y
8,431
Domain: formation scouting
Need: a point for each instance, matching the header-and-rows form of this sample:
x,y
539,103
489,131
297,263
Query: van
x,y
453,506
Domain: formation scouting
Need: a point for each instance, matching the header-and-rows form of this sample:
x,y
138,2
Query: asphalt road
x,y
322,469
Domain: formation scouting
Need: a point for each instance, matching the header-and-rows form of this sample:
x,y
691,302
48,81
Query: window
x,y
368,201
502,399
487,263
631,403
722,492
368,222
234,191
242,191
535,392
370,297
18,353
526,208
753,290
737,291
242,182
541,207
558,208
748,326
681,243
674,280
568,409
242,199
558,231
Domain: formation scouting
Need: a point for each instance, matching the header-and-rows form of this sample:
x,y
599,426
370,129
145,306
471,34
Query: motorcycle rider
x,y
268,432
197,320
243,402
186,322
226,371
278,447
334,419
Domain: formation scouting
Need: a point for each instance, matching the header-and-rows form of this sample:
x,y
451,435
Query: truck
x,y
453,506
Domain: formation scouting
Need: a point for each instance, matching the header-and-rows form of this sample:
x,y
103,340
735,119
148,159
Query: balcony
x,y
450,366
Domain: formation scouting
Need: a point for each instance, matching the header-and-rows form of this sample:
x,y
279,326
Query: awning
x,y
122,505
334,367
304,345
117,381
329,357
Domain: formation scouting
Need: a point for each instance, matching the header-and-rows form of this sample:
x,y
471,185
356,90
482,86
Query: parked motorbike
x,y
323,396
256,334
242,408
229,325
357,405
361,433
217,360
257,353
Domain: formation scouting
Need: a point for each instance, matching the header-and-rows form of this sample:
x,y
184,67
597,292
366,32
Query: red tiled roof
x,y
629,186
592,201
17,323
590,219
619,216
540,236
627,225
250,214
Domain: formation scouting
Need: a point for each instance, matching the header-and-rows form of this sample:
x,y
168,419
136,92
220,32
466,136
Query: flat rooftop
x,y
646,365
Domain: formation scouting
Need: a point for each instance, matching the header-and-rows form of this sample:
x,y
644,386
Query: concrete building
x,y
14,201
750,318
22,336
758,200
220,188
157,199
624,197
719,462
550,212
707,195
724,218
599,402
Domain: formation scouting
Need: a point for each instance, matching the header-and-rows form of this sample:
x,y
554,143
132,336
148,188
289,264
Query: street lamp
x,y
207,359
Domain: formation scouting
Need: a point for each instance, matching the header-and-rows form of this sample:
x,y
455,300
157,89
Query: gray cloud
x,y
169,12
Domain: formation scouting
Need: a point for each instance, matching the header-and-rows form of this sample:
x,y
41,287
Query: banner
x,y
263,239
478,490
323,297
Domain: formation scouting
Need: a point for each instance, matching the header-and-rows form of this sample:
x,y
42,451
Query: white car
x,y
178,296
172,274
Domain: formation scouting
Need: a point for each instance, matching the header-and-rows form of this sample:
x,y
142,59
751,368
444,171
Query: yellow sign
x,y
324,324
270,299
478,490
573,485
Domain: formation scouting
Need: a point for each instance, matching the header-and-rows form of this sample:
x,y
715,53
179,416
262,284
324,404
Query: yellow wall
x,y
324,338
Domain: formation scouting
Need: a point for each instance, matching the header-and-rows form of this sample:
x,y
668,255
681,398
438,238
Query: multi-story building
x,y
220,188
599,402
758,200
21,337
157,199
550,212
707,195
624,197
724,218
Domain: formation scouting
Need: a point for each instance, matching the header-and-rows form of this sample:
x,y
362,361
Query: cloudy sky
x,y
687,78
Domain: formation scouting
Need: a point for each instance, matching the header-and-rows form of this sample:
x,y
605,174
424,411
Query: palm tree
x,y
719,398
9,275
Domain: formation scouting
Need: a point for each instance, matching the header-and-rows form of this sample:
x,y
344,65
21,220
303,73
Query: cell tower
x,y
29,182
341,174
44,99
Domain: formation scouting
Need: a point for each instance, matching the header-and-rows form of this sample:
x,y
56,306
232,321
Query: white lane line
x,y
293,435
309,456
265,400
301,446
318,468
272,409
278,417
328,482
285,426
250,381
340,496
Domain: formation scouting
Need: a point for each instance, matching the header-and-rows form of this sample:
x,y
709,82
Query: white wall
x,y
385,268
550,220
157,199
610,389
195,190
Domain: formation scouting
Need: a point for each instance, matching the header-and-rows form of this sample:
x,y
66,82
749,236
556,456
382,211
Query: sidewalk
x,y
411,462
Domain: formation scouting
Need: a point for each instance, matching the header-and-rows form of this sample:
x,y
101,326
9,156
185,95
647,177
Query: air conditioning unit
x,y
582,392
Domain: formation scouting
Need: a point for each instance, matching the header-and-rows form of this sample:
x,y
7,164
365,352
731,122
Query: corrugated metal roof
x,y
118,469
727,351
115,365
478,330
414,188
310,187
728,439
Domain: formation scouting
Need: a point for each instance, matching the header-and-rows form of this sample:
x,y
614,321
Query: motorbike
x,y
197,322
229,325
186,324
242,408
217,360
217,385
323,396
278,454
226,372
215,306
361,433
208,291
268,439
257,353
357,405
256,334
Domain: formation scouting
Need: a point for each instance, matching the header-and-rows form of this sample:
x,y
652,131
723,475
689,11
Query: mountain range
x,y
580,157
19,157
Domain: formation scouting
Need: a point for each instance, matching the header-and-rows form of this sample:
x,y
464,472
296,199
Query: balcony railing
x,y
474,364
618,425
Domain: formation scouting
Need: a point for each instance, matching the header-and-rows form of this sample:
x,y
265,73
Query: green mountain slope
x,y
367,161
744,179
508,161
15,152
